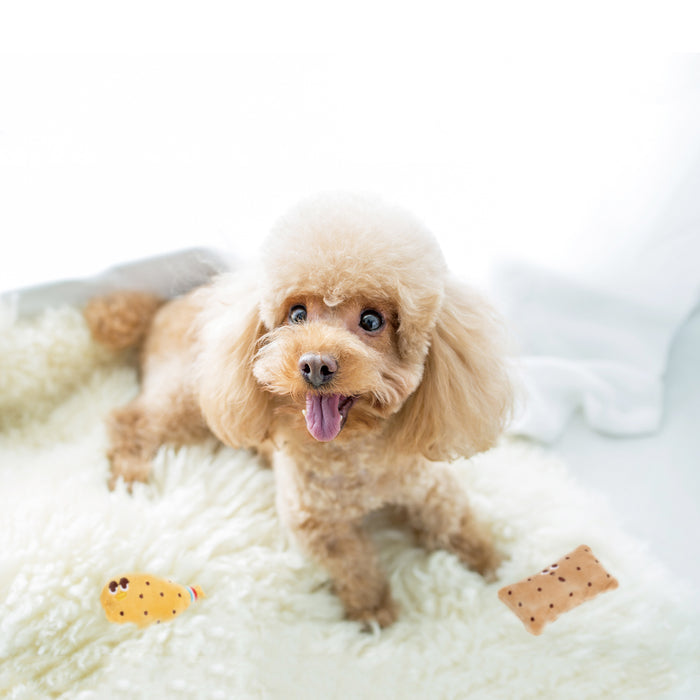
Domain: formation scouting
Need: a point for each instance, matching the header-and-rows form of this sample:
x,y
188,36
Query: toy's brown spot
x,y
145,612
567,558
539,590
520,605
148,583
162,594
140,595
532,619
179,595
562,579
589,584
122,613
174,613
551,605
510,592
571,595
552,574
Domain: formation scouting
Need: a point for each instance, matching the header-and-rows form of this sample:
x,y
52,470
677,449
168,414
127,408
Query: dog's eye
x,y
371,320
297,314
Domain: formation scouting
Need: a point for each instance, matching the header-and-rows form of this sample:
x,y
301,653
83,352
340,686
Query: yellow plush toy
x,y
145,599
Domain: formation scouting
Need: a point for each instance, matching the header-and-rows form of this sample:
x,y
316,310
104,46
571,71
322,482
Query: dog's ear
x,y
236,408
464,398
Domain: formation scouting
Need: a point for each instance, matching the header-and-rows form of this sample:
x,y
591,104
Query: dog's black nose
x,y
317,369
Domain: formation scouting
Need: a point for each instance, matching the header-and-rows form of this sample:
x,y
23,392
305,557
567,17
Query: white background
x,y
504,142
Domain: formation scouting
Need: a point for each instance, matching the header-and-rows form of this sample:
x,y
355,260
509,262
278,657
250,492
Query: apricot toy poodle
x,y
351,359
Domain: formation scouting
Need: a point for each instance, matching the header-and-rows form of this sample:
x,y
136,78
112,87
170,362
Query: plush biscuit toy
x,y
541,598
145,599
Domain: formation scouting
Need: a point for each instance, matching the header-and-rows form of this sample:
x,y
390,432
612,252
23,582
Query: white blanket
x,y
598,339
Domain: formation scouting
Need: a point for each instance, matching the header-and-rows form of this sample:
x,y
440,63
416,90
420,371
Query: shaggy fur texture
x,y
353,360
270,627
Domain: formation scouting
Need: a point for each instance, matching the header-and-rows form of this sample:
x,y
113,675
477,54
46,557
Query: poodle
x,y
351,360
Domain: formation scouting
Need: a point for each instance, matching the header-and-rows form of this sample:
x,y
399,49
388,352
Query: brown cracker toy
x,y
573,580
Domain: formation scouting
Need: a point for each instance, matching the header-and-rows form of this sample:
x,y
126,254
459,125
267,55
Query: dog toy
x,y
541,598
145,599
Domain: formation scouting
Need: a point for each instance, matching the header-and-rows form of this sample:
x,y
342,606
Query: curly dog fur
x,y
351,359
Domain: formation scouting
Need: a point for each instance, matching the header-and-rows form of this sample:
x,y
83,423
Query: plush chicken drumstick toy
x,y
145,599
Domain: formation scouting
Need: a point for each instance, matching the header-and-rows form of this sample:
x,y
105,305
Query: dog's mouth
x,y
326,414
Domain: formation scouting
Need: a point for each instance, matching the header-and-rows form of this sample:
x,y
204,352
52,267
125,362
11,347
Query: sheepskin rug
x,y
270,627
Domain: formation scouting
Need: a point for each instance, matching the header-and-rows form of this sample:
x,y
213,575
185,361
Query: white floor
x,y
654,481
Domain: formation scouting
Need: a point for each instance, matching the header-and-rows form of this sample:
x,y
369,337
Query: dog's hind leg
x,y
154,418
166,410
134,440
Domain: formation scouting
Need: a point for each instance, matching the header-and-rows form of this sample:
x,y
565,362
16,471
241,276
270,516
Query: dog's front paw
x,y
128,468
489,565
478,553
383,613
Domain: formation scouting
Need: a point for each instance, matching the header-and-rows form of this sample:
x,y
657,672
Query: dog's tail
x,y
121,320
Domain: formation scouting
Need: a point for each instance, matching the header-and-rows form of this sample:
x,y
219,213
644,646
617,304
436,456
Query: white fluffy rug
x,y
270,627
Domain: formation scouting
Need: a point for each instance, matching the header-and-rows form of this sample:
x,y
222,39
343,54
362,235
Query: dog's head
x,y
354,326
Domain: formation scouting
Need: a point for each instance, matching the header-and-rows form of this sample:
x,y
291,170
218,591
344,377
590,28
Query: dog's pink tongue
x,y
323,418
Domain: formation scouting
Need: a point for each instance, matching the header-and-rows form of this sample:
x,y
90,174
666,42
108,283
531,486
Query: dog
x,y
352,360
